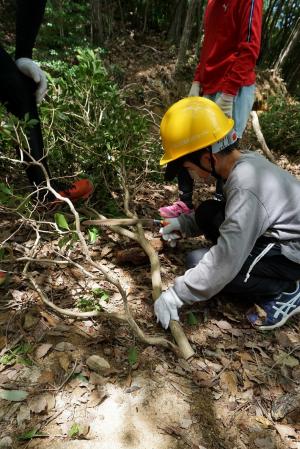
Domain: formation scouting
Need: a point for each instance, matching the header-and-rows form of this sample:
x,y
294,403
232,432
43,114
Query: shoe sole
x,y
279,324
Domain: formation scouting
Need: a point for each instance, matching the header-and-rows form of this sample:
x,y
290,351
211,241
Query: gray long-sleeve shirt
x,y
261,199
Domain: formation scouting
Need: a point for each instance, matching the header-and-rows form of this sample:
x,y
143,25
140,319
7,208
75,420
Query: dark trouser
x,y
270,276
17,94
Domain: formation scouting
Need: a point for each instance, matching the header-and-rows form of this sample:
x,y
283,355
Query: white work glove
x,y
195,89
225,102
171,231
166,307
33,71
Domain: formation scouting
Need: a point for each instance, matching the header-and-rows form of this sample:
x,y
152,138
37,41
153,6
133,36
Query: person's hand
x,y
195,89
33,71
166,307
225,102
171,230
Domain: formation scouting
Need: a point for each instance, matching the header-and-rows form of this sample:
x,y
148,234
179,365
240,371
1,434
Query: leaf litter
x,y
242,391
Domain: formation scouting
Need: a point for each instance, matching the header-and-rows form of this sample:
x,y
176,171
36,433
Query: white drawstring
x,y
257,259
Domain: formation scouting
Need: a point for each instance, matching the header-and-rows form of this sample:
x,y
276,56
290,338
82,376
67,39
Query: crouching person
x,y
255,231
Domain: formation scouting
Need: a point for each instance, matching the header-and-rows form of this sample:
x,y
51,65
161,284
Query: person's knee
x,y
194,257
209,216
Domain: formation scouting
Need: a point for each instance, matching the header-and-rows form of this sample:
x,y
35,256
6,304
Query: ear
x,y
205,157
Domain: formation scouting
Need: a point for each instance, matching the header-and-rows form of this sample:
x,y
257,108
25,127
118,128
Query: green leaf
x,y
2,253
100,294
132,355
74,430
61,221
33,433
192,319
81,377
5,189
13,395
93,234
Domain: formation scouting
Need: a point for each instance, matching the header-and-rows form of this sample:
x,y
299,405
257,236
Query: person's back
x,y
256,229
276,189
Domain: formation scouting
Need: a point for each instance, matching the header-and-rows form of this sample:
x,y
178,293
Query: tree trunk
x,y
269,27
200,19
146,15
186,34
97,26
121,14
289,47
57,6
176,23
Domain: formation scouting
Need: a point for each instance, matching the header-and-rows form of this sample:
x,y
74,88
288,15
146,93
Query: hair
x,y
228,150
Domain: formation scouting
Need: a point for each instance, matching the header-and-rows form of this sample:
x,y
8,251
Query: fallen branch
x,y
105,315
184,347
260,137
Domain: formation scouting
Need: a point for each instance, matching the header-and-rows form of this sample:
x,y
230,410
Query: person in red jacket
x,y
225,74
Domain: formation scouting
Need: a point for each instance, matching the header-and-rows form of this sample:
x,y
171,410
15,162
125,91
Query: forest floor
x,y
242,389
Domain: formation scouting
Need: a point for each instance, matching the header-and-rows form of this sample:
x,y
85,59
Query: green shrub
x,y
281,125
88,127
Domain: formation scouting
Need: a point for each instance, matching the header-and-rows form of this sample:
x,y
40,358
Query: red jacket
x,y
232,31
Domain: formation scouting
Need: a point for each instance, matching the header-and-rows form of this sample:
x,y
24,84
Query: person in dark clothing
x,y
23,85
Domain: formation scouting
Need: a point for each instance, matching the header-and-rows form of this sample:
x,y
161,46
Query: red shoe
x,y
81,189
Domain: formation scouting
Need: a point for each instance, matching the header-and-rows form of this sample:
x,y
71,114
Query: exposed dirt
x,y
242,389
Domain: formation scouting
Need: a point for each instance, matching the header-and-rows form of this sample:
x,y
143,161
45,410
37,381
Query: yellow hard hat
x,y
191,124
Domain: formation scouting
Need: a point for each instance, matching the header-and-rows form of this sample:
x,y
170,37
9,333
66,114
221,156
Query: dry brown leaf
x,y
52,321
38,404
223,325
286,431
266,423
5,317
46,377
42,350
283,358
64,346
23,415
105,250
228,382
3,341
265,442
64,361
246,357
202,378
287,338
285,404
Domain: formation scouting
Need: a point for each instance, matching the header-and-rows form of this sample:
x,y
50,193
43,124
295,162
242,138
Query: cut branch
x,y
260,137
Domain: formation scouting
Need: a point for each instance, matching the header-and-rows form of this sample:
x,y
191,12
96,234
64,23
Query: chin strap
x,y
213,169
